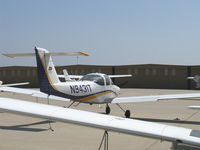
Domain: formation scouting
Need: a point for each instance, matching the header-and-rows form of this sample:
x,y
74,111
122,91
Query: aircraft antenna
x,y
77,60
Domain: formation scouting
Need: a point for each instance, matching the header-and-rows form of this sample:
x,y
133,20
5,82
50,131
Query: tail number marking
x,y
80,88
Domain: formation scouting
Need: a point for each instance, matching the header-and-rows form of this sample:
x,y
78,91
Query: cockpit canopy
x,y
98,78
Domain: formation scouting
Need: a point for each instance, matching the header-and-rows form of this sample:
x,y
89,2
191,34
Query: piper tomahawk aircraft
x,y
162,132
93,88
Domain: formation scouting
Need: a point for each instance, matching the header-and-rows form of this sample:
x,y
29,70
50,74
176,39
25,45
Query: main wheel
x,y
127,114
107,110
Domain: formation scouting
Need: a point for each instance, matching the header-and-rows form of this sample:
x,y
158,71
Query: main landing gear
x,y
107,109
127,113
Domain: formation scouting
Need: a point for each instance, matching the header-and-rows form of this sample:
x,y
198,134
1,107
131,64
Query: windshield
x,y
107,79
96,78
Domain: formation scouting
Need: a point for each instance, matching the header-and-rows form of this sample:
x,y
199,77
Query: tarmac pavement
x,y
22,133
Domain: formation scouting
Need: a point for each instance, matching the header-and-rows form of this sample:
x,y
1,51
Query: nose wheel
x,y
107,109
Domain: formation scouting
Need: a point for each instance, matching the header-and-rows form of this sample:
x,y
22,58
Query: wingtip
x,y
194,107
84,54
8,55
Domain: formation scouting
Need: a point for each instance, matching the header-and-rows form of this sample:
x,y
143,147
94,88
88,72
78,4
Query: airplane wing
x,y
135,99
105,122
33,93
190,78
120,76
80,76
71,76
194,107
13,84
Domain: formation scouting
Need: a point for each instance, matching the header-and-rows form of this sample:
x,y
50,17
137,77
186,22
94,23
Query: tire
x,y
107,110
127,114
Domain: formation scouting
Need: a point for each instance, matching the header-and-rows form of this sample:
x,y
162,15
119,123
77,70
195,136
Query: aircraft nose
x,y
117,90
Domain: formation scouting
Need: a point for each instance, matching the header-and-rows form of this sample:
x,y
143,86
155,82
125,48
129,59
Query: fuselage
x,y
89,91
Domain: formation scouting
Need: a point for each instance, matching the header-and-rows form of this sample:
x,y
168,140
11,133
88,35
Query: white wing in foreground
x,y
33,93
194,107
105,122
135,99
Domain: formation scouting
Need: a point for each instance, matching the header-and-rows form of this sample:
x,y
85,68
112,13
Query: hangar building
x,y
144,76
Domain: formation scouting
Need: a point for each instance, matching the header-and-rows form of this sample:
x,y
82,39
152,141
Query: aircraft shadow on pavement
x,y
186,147
169,121
25,127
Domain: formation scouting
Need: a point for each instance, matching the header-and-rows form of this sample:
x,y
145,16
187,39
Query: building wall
x,y
195,70
16,74
154,76
144,76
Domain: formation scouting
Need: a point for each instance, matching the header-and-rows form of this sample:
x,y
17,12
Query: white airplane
x,y
93,88
196,79
162,132
13,84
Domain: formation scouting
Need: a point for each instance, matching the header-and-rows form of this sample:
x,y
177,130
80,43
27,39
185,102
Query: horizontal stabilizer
x,y
51,54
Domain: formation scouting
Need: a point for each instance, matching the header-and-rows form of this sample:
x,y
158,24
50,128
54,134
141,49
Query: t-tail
x,y
47,74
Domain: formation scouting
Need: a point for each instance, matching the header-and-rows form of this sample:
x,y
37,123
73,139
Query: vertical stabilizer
x,y
47,74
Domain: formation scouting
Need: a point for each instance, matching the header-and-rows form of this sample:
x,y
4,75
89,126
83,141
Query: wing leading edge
x,y
194,107
135,99
33,93
105,122
13,84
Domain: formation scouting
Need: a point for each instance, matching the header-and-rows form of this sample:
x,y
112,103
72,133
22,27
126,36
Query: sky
x,y
113,32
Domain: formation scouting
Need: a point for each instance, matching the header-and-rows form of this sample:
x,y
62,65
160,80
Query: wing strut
x,y
104,141
50,127
174,145
127,113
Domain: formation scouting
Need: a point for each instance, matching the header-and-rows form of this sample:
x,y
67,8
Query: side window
x,y
100,81
107,80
